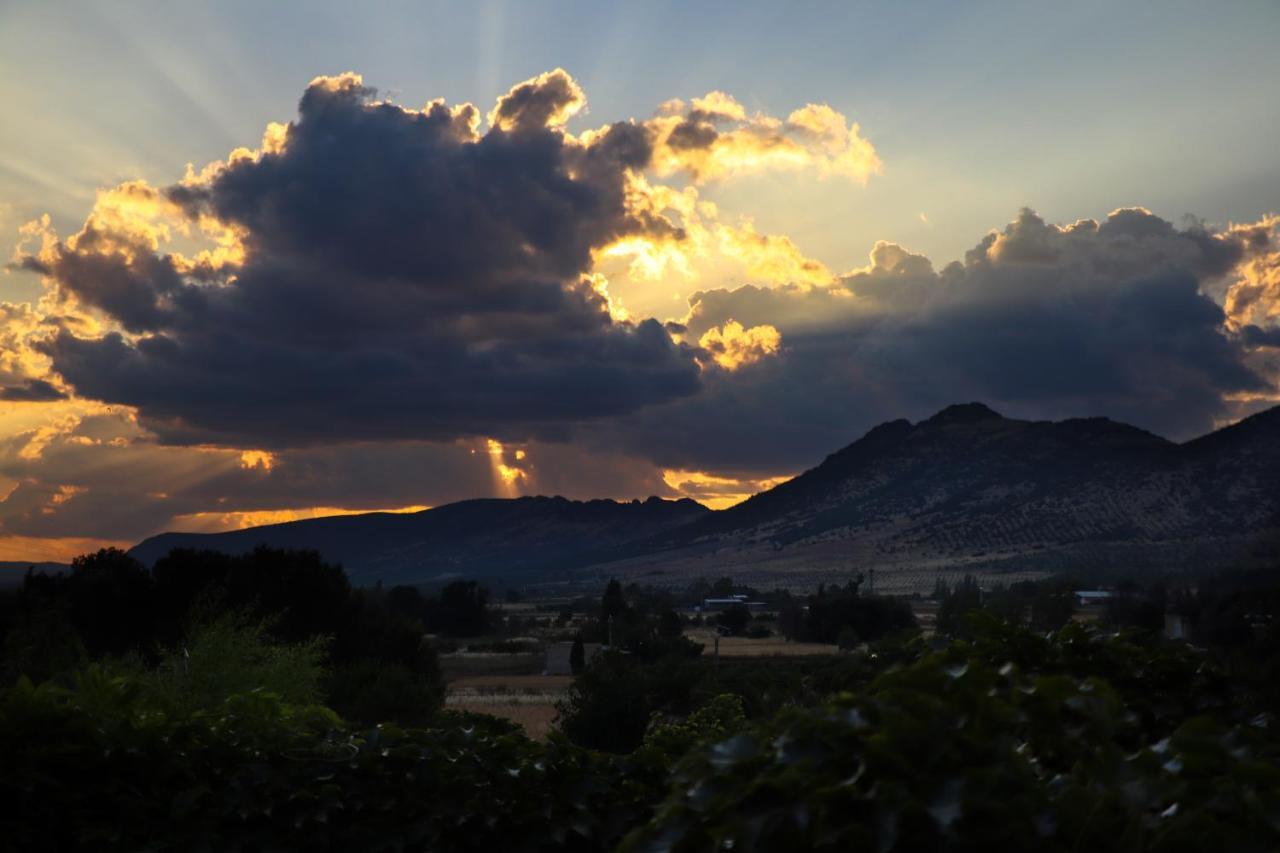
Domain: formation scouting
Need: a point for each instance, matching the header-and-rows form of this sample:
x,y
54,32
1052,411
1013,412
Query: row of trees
x,y
216,617
844,616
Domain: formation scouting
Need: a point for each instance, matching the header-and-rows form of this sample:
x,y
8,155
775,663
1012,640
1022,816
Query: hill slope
x,y
970,490
965,490
526,539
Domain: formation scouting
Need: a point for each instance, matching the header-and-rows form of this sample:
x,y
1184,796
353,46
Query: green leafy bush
x,y
368,691
99,766
952,753
232,653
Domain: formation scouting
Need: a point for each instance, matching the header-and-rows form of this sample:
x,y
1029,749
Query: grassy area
x,y
510,686
466,664
747,648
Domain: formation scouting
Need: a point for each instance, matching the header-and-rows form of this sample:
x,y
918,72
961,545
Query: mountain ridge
x,y
966,489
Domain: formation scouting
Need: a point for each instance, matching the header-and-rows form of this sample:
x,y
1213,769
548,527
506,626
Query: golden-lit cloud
x,y
713,138
550,256
714,491
217,522
507,475
771,258
1254,297
704,250
260,459
733,346
548,100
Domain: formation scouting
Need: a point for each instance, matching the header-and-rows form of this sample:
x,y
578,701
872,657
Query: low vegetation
x,y
252,714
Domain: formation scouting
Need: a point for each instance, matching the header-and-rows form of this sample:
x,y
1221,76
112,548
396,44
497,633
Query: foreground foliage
x,y
99,767
1008,741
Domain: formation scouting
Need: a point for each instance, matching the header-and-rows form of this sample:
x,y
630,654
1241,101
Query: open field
x,y
466,664
508,686
536,720
512,683
746,648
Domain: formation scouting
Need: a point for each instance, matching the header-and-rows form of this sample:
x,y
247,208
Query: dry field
x,y
457,665
536,720
505,686
512,683
742,647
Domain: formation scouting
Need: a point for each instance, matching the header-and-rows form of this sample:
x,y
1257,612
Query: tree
x,y
669,625
42,643
613,603
1052,608
956,607
577,656
462,610
870,617
735,619
111,600
791,621
406,602
302,594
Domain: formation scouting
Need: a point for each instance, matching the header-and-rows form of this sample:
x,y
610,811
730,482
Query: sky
x,y
273,261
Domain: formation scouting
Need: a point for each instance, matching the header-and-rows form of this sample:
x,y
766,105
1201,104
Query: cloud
x,y
387,274
1042,321
548,100
32,391
713,138
103,476
378,273
381,307
732,346
1259,337
1254,297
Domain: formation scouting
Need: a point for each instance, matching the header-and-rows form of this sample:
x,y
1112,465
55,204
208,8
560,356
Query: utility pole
x,y
610,630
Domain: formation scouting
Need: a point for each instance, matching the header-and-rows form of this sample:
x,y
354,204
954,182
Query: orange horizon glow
x,y
35,549
218,522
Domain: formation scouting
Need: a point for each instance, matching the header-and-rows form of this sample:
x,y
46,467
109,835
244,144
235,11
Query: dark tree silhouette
x,y
461,610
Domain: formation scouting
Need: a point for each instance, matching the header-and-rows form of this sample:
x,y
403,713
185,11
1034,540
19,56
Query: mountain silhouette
x,y
964,490
527,539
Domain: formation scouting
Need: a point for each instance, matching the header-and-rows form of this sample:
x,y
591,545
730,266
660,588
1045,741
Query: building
x,y
1093,597
715,605
1176,626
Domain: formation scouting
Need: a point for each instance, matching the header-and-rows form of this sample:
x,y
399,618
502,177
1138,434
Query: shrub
x,y
611,702
370,691
952,753
229,654
734,619
97,767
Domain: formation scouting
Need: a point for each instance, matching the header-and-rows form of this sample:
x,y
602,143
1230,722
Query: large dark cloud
x,y
403,277
1040,321
398,276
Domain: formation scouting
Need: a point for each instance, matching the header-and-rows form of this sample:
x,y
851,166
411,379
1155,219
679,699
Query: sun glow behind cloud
x,y
715,491
664,240
507,478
